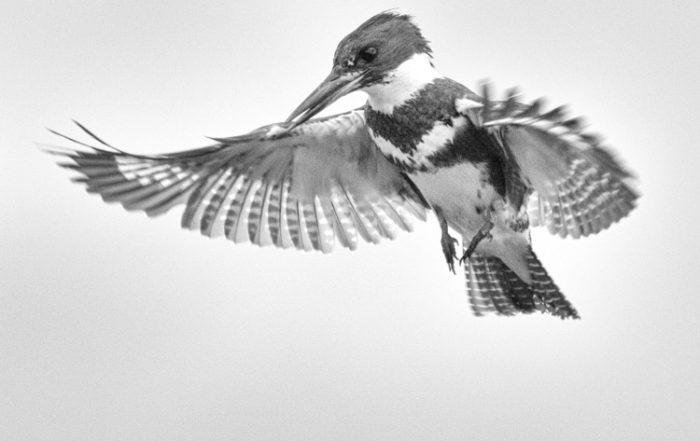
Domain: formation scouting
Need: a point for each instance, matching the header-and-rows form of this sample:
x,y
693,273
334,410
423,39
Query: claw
x,y
448,249
538,301
483,233
448,242
542,304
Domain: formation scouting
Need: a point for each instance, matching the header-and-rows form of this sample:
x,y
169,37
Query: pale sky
x,y
114,326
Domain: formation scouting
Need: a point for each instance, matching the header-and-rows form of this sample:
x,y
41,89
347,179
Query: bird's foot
x,y
539,302
519,223
448,249
483,233
448,242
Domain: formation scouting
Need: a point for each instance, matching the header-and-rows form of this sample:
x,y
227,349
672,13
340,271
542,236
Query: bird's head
x,y
365,57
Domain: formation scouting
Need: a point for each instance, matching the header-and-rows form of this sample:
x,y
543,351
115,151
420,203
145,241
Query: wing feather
x,y
347,217
288,216
213,201
579,187
320,183
240,209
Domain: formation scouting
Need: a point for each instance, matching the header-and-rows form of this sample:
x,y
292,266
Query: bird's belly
x,y
461,192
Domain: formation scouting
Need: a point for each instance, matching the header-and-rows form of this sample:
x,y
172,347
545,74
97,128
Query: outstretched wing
x,y
581,189
301,188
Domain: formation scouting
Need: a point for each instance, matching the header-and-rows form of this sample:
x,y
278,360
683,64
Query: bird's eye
x,y
367,54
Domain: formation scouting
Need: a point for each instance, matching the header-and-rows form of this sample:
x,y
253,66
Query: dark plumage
x,y
393,35
408,123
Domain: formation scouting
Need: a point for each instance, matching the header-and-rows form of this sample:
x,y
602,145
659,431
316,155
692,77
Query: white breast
x,y
458,190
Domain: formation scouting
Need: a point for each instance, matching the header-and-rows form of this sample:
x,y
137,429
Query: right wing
x,y
581,188
301,188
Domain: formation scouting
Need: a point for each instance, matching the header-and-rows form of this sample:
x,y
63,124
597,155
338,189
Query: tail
x,y
494,288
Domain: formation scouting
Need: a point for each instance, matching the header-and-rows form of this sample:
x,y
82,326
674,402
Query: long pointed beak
x,y
332,88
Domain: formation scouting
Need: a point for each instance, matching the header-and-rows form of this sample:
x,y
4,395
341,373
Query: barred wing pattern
x,y
303,188
581,189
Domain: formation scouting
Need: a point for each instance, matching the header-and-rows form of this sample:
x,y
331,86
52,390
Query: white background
x,y
117,327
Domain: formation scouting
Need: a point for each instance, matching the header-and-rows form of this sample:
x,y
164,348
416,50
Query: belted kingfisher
x,y
489,169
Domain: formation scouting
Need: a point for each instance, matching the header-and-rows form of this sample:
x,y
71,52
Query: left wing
x,y
581,189
302,188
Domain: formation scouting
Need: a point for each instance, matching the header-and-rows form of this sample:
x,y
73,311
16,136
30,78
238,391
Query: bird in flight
x,y
488,169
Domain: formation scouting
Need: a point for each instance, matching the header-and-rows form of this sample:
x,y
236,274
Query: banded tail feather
x,y
493,288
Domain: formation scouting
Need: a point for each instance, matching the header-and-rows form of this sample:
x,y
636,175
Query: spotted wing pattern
x,y
303,188
581,189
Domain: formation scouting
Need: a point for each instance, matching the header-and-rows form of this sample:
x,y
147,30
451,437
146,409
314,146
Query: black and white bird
x,y
488,169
